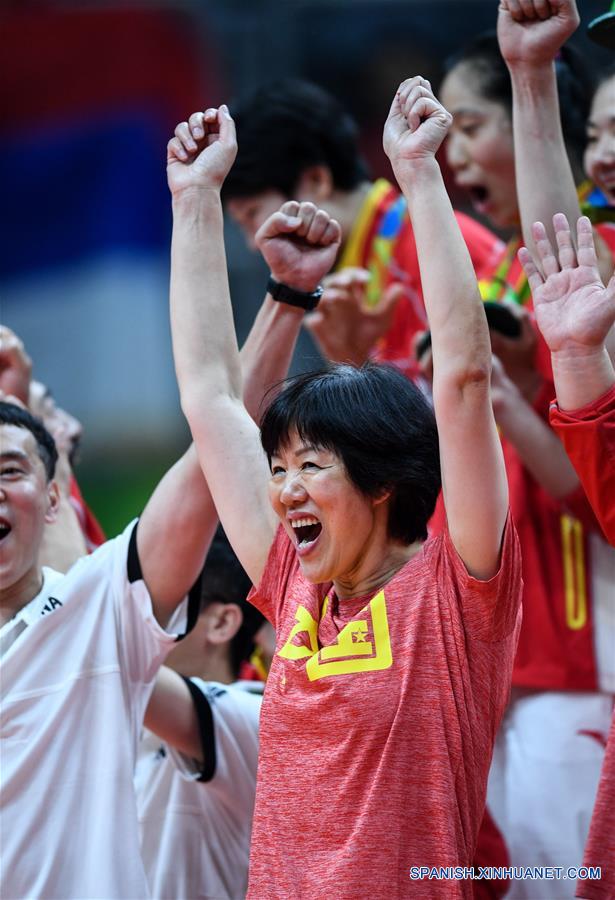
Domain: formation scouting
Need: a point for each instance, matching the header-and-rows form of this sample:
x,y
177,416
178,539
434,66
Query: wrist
x,y
289,294
531,71
195,198
576,357
581,375
417,170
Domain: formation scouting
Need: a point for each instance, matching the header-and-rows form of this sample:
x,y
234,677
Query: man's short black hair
x,y
10,414
283,128
378,423
575,85
223,580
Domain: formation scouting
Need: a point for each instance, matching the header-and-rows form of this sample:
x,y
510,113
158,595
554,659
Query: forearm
x,y
174,534
543,174
204,343
581,376
460,337
267,351
538,447
171,714
545,184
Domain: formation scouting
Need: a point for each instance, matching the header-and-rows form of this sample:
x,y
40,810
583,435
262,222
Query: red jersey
x,y
588,435
556,644
378,724
600,847
382,241
556,647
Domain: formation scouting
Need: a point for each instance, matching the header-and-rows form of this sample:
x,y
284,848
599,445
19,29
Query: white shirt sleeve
x,y
228,720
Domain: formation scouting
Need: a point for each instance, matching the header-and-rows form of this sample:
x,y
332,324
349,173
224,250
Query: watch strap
x,y
307,300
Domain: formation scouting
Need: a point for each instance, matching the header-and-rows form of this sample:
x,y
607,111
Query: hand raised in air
x,y
200,155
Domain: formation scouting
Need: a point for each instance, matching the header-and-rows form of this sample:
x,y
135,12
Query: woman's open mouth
x,y
5,529
307,530
479,195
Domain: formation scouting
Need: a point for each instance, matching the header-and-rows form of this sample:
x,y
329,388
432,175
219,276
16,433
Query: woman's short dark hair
x,y
378,423
11,414
283,128
575,85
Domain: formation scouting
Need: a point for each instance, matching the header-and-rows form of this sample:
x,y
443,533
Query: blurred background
x,y
90,93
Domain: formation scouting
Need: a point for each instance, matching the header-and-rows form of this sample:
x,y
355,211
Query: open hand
x,y
300,244
573,308
344,326
201,153
15,366
532,31
417,123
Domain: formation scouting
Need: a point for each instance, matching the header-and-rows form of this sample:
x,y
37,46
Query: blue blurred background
x,y
90,93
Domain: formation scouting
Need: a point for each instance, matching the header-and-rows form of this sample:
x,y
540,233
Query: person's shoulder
x,y
234,704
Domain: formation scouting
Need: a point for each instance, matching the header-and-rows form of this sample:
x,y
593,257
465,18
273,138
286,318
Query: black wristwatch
x,y
284,294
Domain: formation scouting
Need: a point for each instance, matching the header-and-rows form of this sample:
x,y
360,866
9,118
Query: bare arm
x,y
530,38
574,311
171,715
181,518
475,495
204,343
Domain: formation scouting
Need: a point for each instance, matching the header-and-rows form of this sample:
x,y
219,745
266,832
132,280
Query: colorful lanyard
x,y
382,245
497,287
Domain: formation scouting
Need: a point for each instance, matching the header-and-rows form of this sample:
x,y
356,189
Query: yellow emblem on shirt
x,y
354,651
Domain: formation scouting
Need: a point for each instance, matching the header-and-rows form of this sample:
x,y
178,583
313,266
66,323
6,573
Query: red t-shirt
x,y
556,647
556,644
378,723
600,847
588,435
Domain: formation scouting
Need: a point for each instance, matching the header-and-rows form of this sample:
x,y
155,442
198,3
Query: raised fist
x,y
416,125
532,31
202,152
300,244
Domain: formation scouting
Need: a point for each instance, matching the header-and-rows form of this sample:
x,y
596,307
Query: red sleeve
x,y
490,608
588,435
282,564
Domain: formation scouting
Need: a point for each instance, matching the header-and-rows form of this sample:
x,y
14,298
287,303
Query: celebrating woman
x,y
394,653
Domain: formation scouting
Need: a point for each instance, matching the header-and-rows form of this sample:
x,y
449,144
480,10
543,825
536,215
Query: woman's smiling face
x,y
330,522
479,149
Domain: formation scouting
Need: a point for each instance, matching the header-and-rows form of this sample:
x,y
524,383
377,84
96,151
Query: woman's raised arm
x,y
473,474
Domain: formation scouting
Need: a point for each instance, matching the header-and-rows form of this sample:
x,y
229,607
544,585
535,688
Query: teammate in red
x,y
541,791
575,313
393,659
297,142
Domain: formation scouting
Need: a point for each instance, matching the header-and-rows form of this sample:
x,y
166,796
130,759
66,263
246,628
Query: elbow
x,y
191,404
471,379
